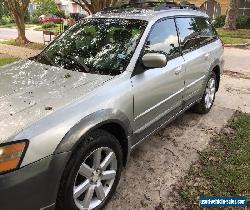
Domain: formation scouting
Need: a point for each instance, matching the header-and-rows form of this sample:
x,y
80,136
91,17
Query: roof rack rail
x,y
153,5
189,6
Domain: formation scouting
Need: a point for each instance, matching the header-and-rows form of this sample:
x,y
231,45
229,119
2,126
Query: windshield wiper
x,y
43,59
82,65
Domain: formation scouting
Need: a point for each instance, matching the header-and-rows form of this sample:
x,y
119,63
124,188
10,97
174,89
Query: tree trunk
x,y
230,22
17,9
21,39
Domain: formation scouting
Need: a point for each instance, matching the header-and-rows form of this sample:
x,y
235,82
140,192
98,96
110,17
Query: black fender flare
x,y
91,122
213,66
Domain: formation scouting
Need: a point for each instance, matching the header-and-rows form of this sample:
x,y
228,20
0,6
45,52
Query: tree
x,y
230,22
3,10
47,7
17,9
93,6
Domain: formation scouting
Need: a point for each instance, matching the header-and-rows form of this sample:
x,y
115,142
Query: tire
x,y
77,174
207,101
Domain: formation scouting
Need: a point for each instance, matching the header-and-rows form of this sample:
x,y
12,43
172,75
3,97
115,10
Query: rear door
x,y
158,91
208,41
195,57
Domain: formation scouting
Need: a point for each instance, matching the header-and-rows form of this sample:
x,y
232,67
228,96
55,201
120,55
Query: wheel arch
x,y
216,70
215,67
112,121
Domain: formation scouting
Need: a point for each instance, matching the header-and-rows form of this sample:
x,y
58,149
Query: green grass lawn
x,y
5,61
223,169
31,45
239,36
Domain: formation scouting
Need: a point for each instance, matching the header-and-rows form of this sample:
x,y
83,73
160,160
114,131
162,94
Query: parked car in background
x,y
70,116
50,18
77,16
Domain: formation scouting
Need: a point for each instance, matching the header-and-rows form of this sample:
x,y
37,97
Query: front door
x,y
158,91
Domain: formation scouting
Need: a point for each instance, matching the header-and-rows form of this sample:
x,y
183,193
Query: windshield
x,y
97,46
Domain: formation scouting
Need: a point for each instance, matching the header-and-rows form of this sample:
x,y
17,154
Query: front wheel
x,y
207,101
92,174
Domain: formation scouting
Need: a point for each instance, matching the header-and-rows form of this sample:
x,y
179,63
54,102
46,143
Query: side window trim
x,y
178,35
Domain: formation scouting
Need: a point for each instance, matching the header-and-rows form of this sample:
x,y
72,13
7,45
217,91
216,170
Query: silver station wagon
x,y
70,116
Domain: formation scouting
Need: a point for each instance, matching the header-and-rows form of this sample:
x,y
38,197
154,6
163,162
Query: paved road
x,y
11,33
237,60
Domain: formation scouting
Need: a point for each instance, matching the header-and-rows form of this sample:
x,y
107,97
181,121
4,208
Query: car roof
x,y
148,14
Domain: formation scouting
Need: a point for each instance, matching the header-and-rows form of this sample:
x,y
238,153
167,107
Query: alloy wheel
x,y
210,93
95,178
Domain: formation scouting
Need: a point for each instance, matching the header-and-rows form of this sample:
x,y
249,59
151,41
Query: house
x,y
221,6
70,7
214,8
66,5
32,6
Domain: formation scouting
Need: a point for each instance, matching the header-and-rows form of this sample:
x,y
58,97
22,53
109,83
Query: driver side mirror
x,y
154,60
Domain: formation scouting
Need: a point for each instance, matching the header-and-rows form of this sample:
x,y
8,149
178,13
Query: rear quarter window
x,y
206,32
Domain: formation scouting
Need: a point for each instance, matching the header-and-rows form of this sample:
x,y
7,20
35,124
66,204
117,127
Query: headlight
x,y
11,155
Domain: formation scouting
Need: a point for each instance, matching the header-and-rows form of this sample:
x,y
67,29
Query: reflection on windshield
x,y
98,46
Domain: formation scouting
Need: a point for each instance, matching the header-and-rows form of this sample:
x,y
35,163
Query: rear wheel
x,y
92,174
207,101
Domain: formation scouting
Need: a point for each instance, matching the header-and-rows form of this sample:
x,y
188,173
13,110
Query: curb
x,y
242,46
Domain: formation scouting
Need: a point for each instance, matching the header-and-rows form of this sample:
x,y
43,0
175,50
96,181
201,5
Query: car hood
x,y
29,91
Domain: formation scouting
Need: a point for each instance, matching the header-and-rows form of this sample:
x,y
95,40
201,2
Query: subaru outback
x,y
70,116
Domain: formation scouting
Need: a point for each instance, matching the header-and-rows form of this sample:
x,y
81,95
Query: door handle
x,y
178,70
207,56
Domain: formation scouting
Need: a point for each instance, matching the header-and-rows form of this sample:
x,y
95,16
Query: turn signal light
x,y
11,156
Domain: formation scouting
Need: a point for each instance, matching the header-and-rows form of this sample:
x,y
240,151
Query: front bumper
x,y
34,186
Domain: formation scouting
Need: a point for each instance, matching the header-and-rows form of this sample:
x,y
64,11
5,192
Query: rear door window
x,y
188,33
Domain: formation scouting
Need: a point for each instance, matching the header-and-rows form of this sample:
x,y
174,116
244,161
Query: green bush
x,y
48,7
27,16
243,22
219,21
49,25
5,20
34,19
